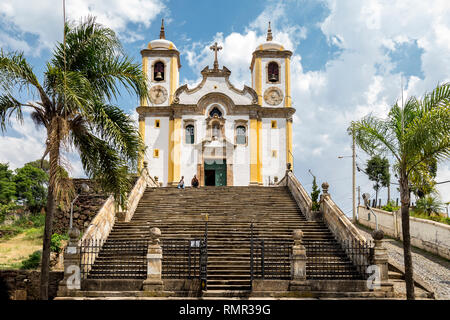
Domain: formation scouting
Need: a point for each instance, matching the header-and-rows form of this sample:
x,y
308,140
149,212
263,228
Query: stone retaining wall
x,y
84,209
25,284
428,235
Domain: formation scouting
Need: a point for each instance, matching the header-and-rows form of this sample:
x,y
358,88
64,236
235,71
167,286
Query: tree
x,y
75,106
377,169
429,204
40,164
413,134
7,185
315,196
423,178
31,187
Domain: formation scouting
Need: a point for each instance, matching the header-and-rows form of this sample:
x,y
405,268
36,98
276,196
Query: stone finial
x,y
74,234
145,164
269,33
155,234
298,237
162,34
378,235
325,187
156,178
288,166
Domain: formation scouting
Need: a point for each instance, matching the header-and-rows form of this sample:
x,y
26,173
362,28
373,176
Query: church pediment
x,y
215,81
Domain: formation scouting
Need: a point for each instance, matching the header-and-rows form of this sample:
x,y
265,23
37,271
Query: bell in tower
x,y
159,71
159,76
273,72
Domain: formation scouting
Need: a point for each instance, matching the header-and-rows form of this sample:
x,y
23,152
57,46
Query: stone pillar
x,y
72,272
325,195
380,256
154,265
288,167
298,264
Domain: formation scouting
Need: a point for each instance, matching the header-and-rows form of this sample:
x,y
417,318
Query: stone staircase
x,y
181,214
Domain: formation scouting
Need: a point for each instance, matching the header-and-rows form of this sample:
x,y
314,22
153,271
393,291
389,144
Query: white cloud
x,y
44,19
24,143
358,81
237,48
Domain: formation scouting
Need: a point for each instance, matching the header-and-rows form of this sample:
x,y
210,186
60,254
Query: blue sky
x,y
349,58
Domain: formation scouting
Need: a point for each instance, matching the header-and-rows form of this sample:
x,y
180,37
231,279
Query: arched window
x,y
190,134
216,130
240,135
215,111
273,72
158,71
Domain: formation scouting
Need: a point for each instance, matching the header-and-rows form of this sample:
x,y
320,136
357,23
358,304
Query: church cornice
x,y
179,110
161,53
269,54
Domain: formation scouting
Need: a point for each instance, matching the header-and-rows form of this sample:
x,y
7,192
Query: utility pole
x,y
359,195
354,175
389,192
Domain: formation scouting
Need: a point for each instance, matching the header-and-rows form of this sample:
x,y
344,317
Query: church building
x,y
222,134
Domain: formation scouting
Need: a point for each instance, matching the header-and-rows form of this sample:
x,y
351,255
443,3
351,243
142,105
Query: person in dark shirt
x,y
195,182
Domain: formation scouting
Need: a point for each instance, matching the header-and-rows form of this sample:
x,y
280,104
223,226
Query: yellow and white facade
x,y
221,134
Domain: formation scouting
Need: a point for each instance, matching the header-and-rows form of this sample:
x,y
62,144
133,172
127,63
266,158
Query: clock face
x,y
273,96
158,94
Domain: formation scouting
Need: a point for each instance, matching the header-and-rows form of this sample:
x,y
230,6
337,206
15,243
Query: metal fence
x,y
348,260
181,258
123,259
270,259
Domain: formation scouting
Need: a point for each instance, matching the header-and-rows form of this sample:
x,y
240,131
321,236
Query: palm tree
x,y
429,204
74,105
413,134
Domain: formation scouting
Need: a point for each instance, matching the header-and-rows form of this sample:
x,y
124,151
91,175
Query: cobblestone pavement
x,y
432,269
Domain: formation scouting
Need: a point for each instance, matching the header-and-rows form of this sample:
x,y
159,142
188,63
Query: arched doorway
x,y
215,172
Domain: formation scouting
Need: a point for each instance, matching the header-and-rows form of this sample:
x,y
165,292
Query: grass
x,y
31,225
17,249
21,239
440,219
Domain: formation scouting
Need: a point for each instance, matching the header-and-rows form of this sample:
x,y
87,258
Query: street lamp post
x,y
353,184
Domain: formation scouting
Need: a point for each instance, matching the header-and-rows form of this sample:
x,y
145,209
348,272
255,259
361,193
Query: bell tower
x,y
161,64
270,70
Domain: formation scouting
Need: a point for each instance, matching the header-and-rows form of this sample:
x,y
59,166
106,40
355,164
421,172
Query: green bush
x,y
315,196
55,245
5,209
38,220
390,206
32,262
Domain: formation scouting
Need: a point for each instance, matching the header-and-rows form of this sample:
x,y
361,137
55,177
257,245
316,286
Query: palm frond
x,y
428,137
102,162
118,129
374,137
15,72
439,97
9,106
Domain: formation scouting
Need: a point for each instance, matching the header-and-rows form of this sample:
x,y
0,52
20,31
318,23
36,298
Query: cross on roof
x,y
215,48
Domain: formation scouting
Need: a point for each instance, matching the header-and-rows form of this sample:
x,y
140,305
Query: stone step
x,y
180,214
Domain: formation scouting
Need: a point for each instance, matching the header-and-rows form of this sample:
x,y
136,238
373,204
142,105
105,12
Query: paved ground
x,y
431,268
